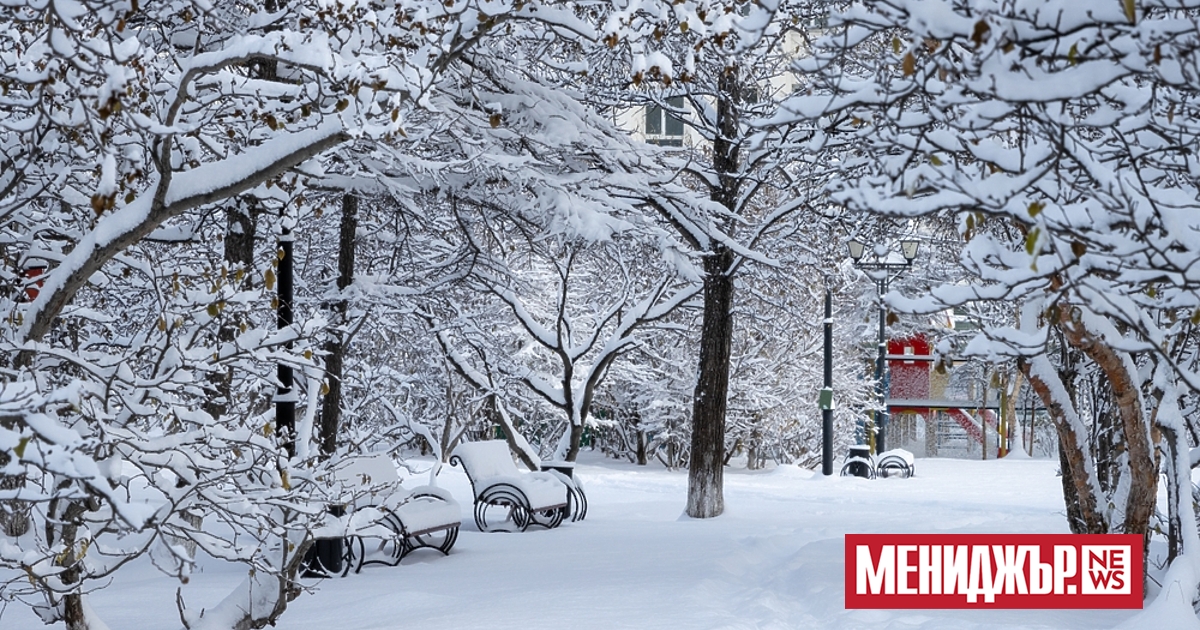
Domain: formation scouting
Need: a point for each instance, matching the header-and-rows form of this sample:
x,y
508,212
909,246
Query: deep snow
x,y
773,561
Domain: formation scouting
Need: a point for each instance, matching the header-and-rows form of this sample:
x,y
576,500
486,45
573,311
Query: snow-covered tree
x,y
643,410
777,370
1061,137
124,125
576,308
726,62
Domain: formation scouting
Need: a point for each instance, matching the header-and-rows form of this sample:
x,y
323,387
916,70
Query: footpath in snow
x,y
773,561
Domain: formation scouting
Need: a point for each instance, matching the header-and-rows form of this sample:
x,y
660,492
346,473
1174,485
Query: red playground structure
x,y
921,386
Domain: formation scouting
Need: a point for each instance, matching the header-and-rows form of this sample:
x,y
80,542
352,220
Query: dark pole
x,y
827,408
881,415
285,397
338,341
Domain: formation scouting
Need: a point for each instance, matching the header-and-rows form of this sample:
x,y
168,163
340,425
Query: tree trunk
x,y
1174,525
706,466
246,609
752,456
983,426
73,615
241,224
576,441
14,515
1084,516
72,602
1142,489
289,590
640,436
1076,519
1012,390
706,470
336,344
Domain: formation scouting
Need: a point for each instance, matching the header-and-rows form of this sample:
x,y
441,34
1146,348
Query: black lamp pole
x,y
285,397
827,394
885,273
881,414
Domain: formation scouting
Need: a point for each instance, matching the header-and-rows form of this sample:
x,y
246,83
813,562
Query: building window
x,y
663,128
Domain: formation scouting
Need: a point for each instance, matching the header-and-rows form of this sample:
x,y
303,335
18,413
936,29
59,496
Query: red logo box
x,y
993,571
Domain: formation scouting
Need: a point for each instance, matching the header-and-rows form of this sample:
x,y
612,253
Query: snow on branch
x,y
133,221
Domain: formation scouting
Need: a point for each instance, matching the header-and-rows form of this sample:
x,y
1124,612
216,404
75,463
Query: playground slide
x,y
971,425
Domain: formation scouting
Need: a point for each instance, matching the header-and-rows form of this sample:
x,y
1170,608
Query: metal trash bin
x,y
576,508
858,462
327,556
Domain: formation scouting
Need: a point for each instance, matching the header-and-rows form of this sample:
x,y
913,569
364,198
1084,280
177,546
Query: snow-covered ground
x,y
774,560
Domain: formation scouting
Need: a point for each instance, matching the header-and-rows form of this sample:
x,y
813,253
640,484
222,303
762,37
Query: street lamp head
x,y
856,248
909,249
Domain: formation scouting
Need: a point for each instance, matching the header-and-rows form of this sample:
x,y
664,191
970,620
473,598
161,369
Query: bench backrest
x,y
486,459
366,470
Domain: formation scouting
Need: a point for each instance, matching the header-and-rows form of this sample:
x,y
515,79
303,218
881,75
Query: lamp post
x,y
285,395
826,401
882,272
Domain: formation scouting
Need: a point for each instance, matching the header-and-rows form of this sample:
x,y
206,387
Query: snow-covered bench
x,y
505,498
895,463
392,519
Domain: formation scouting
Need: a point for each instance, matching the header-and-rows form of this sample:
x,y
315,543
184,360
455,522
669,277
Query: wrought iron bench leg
x,y
441,539
513,508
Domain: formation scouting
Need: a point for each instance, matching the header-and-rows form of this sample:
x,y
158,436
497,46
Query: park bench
x,y
894,463
385,521
505,498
